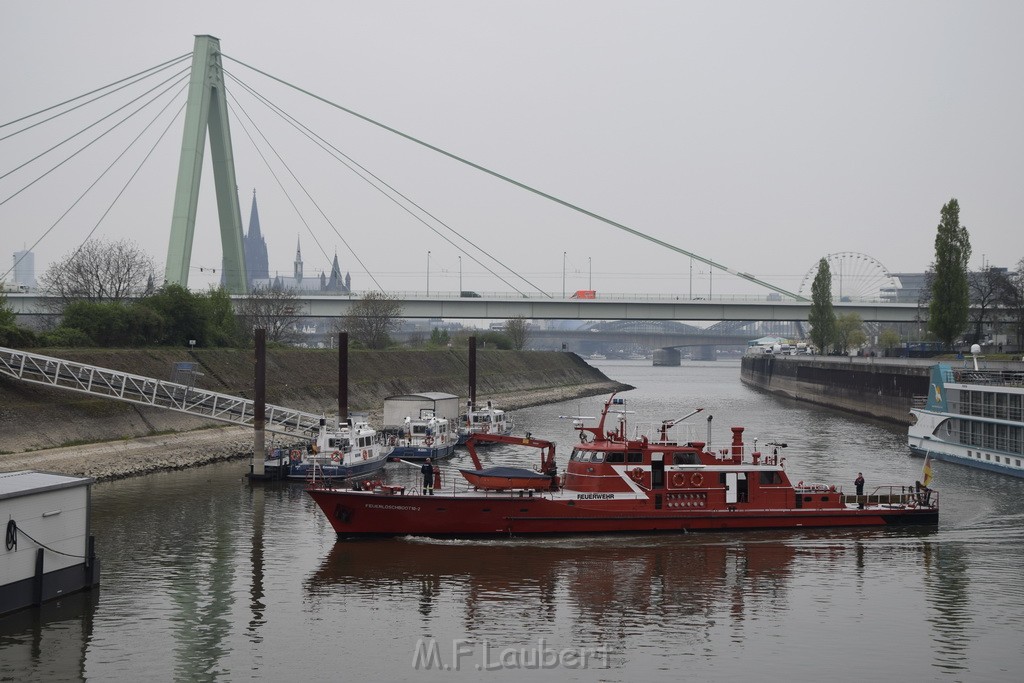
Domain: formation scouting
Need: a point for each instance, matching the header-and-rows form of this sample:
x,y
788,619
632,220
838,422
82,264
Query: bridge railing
x,y
148,391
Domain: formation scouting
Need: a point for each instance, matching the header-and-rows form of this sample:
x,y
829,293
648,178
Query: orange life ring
x,y
636,474
697,479
365,455
392,441
296,455
679,479
429,440
487,428
336,456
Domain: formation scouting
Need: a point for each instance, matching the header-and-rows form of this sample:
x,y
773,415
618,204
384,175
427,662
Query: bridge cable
x,y
91,142
177,76
100,177
324,144
302,218
528,188
165,65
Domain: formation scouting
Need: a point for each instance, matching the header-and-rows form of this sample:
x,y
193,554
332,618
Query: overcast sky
x,y
761,135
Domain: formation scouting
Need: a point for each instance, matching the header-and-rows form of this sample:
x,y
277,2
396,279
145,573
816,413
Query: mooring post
x,y
472,372
342,378
259,421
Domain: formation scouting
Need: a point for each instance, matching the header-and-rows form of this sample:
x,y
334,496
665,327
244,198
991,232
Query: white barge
x,y
48,551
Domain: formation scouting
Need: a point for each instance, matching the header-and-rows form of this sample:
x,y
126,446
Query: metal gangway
x,y
148,391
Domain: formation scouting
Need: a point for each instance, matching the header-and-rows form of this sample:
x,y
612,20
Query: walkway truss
x,y
147,391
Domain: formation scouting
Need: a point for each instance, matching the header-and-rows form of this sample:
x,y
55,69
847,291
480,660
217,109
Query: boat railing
x,y
890,494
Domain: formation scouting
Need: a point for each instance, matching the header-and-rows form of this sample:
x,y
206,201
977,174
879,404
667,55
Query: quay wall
x,y
881,388
37,422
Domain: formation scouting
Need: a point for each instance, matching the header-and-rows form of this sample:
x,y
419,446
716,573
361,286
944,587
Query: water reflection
x,y
206,577
611,584
48,643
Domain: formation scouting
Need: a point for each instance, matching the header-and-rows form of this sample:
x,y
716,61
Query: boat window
x,y
770,478
684,459
616,457
598,456
575,454
635,456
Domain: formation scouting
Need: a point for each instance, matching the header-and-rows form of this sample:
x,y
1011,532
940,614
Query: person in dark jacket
x,y
859,483
428,477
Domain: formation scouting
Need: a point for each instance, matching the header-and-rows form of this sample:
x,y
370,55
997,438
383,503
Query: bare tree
x,y
1013,302
100,271
371,321
988,289
518,331
273,309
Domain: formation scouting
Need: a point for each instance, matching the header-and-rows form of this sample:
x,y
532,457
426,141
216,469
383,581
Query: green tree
x,y
849,332
185,315
493,339
889,338
822,317
518,331
947,312
439,337
6,312
371,320
222,327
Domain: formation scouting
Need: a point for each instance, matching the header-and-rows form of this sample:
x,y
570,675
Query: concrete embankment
x,y
72,433
881,388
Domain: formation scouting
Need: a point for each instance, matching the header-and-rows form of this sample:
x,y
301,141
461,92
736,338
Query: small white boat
x,y
349,450
487,420
427,436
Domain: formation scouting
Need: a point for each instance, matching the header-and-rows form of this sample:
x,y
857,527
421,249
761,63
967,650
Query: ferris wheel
x,y
855,277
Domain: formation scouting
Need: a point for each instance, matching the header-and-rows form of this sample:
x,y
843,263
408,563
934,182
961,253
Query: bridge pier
x,y
668,357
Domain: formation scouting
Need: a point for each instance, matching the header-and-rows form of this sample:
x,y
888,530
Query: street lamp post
x,y
460,274
563,274
590,274
428,272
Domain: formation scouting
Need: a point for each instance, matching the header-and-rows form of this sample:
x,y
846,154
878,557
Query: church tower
x,y
298,261
257,265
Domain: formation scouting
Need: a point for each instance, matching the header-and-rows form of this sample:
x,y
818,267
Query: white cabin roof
x,y
27,482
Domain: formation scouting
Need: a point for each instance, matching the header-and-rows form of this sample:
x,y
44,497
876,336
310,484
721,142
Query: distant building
x,y
335,284
254,251
908,290
25,268
254,246
257,265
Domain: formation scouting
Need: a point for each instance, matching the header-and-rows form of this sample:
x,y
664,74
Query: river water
x,y
205,577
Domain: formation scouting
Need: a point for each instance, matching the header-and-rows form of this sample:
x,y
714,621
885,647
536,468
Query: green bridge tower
x,y
206,110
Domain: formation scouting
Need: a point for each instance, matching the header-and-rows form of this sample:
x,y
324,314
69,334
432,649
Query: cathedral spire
x,y
254,218
298,259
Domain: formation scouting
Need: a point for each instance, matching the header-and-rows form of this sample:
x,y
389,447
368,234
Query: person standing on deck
x,y
428,477
859,483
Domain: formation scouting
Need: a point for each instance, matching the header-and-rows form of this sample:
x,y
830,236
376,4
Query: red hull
x,y
357,513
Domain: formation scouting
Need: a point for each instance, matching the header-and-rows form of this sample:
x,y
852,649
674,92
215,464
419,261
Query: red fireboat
x,y
614,483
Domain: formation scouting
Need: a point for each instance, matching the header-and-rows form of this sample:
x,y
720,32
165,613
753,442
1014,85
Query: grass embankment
x,y
34,417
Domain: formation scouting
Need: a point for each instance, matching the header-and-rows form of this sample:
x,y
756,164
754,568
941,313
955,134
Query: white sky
x,y
761,135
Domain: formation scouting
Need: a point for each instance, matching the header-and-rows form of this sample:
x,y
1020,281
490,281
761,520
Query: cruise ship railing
x,y
148,391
